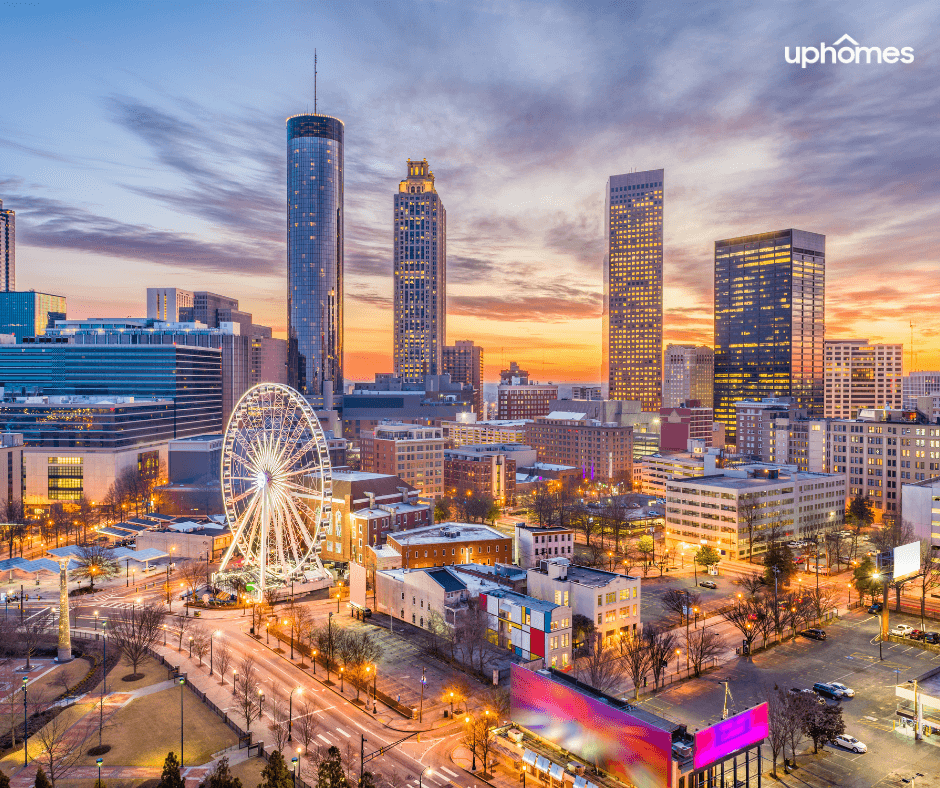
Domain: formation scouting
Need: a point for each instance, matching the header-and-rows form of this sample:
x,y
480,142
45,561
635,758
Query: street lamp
x,y
234,681
96,621
291,622
294,762
99,763
314,662
182,684
341,688
420,776
191,647
211,652
678,654
290,712
26,721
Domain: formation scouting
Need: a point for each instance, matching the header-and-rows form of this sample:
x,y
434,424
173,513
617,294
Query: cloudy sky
x,y
143,144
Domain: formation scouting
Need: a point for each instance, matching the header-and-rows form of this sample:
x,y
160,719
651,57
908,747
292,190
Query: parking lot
x,y
655,587
847,656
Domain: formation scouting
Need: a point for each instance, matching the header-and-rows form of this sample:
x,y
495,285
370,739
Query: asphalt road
x,y
341,723
847,656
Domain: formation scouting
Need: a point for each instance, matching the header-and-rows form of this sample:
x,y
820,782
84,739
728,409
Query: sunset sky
x,y
143,144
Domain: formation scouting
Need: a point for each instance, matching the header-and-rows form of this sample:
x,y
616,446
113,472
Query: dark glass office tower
x,y
315,253
769,320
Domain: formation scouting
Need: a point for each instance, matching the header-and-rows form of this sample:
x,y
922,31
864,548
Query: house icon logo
x,y
847,51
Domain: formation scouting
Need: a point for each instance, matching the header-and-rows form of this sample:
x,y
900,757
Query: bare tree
x,y
307,725
749,513
799,706
192,574
777,716
478,736
635,658
662,561
600,667
681,602
247,695
59,747
200,637
32,630
743,615
135,632
223,659
894,532
703,645
183,624
95,561
280,725
660,645
471,636
752,584
456,692
821,600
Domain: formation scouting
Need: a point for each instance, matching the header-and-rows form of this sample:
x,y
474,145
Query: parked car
x,y
799,559
902,630
815,633
933,638
875,608
827,690
847,692
708,584
814,696
851,743
917,634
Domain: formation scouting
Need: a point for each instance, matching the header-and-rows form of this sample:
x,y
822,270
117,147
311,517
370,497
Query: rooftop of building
x,y
523,600
932,482
83,401
489,448
464,532
491,423
545,529
385,551
385,509
732,482
496,570
583,575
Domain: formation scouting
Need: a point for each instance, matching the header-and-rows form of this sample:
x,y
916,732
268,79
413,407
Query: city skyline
x,y
181,165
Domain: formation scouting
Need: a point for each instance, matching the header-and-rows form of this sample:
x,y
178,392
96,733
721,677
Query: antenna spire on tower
x,y
314,81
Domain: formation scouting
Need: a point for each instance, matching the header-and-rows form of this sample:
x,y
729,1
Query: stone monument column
x,y
65,635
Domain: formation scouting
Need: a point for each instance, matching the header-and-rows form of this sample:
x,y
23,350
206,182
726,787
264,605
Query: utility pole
x,y
724,708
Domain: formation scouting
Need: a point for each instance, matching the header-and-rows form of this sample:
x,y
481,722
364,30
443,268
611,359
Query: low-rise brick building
x,y
447,544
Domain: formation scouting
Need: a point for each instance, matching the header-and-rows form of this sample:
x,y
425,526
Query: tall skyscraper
x,y
769,320
464,362
633,288
859,375
7,249
315,253
688,374
420,277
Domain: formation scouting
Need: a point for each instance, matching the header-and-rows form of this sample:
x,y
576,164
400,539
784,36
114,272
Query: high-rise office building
x,y
7,249
688,375
315,253
859,375
919,384
633,288
29,314
169,303
464,361
769,320
420,275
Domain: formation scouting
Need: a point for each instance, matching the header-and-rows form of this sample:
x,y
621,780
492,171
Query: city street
x,y
342,722
848,656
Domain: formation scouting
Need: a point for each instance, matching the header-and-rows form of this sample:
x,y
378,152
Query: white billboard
x,y
906,560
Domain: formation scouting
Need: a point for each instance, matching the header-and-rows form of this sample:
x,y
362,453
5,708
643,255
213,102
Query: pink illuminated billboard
x,y
731,735
633,751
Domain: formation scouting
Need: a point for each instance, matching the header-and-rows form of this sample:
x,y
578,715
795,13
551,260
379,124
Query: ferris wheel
x,y
276,484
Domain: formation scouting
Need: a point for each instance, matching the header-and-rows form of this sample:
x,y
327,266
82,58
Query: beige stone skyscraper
x,y
859,375
633,288
420,238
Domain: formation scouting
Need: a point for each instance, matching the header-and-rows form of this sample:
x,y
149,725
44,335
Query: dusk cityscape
x,y
419,393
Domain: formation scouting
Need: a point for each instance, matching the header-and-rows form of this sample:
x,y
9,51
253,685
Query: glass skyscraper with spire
x,y
315,253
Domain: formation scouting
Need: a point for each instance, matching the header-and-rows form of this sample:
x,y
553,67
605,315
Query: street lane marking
x,y
321,736
452,774
340,730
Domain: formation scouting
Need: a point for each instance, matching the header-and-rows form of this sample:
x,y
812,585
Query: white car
x,y
851,743
847,692
902,630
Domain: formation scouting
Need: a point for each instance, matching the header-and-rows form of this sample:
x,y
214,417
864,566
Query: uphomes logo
x,y
847,51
